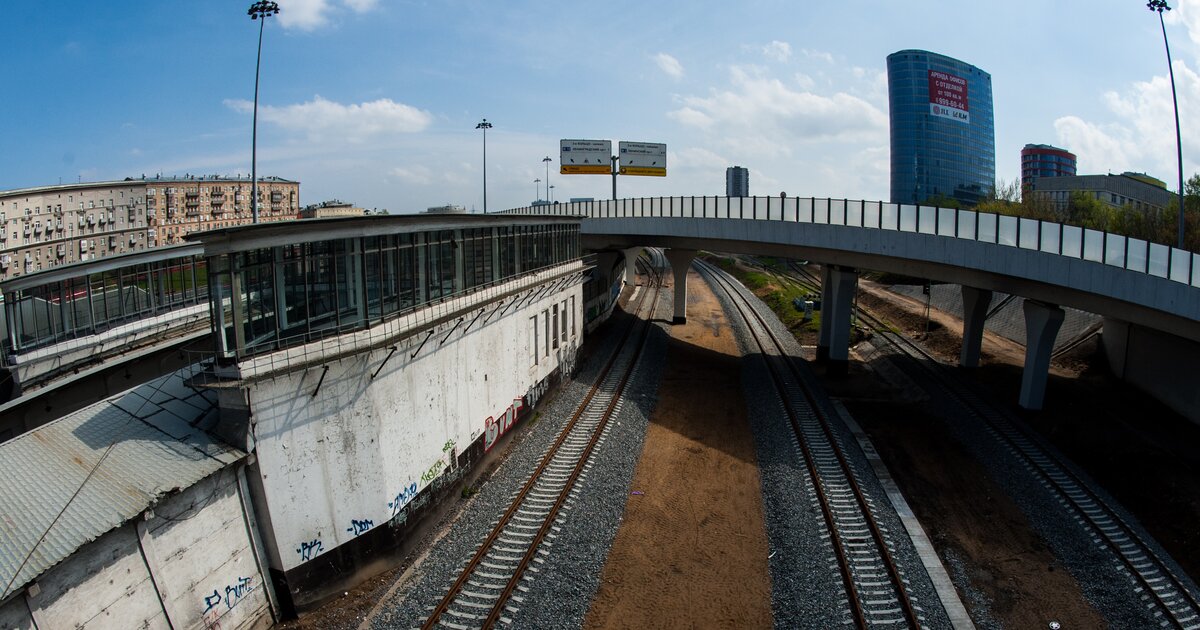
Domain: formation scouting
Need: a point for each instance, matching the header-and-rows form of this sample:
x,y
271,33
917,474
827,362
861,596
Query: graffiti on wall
x,y
405,495
359,527
566,359
493,428
434,471
310,550
232,596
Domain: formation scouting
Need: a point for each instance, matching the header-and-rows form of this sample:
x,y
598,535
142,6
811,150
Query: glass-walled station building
x,y
942,131
61,321
274,287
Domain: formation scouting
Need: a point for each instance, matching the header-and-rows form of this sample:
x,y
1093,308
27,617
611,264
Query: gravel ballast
x,y
806,588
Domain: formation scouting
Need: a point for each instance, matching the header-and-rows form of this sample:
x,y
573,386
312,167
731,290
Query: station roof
x,y
254,236
68,482
98,265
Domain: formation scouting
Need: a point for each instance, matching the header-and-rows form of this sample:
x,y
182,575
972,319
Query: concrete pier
x,y
681,261
631,255
975,307
838,286
1042,322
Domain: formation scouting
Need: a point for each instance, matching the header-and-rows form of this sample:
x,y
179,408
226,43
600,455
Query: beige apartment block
x,y
48,226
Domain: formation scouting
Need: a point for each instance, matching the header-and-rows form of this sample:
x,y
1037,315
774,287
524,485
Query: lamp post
x,y
485,125
546,160
261,9
551,193
1159,6
537,189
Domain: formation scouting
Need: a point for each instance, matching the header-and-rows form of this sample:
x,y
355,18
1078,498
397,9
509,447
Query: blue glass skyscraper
x,y
943,138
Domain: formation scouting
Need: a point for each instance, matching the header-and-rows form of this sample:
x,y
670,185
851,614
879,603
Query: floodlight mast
x,y
261,9
1159,6
484,125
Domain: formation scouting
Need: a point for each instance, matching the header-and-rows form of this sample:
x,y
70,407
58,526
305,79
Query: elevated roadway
x,y
1050,264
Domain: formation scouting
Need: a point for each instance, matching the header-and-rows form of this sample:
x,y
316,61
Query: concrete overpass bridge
x,y
1131,282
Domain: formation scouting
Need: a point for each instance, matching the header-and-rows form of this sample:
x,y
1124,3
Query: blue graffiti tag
x,y
234,594
211,600
404,496
309,549
358,527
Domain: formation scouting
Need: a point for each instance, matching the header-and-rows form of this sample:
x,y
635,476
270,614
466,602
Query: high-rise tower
x,y
737,181
1043,160
943,139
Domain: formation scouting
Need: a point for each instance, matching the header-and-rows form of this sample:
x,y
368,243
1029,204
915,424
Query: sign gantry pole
x,y
614,174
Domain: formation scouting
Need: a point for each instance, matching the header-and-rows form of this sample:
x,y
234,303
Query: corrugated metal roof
x,y
158,447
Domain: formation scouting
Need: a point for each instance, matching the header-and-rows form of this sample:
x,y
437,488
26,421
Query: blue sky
x,y
376,101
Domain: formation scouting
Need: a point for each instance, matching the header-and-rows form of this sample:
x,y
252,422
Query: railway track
x,y
876,593
1153,581
488,589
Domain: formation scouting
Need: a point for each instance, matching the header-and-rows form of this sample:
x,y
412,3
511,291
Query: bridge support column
x,y
1042,322
631,255
838,286
975,307
681,261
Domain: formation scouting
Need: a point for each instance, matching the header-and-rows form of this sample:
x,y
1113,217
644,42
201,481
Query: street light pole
x,y
261,9
537,189
1159,6
547,161
485,125
551,194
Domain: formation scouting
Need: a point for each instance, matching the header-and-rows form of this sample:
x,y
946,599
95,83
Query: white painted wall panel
x,y
103,585
201,557
349,458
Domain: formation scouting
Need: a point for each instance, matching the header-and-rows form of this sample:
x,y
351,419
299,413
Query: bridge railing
x,y
1071,241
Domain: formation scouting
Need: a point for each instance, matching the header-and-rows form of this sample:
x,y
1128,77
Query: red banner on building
x,y
948,96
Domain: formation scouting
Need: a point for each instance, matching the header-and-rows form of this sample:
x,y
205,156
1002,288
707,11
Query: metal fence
x,y
1097,246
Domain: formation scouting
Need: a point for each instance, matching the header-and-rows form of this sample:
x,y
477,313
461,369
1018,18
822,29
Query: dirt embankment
x,y
692,549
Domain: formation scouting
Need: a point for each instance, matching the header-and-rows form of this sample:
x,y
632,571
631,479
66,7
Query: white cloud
x,y
416,175
1099,149
1187,12
1141,134
308,15
698,158
777,50
762,112
322,119
305,15
669,65
817,54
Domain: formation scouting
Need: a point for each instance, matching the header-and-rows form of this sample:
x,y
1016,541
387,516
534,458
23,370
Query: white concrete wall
x,y
350,458
188,566
204,566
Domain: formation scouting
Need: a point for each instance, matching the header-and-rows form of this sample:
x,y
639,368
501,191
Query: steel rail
x,y
1003,427
464,576
853,590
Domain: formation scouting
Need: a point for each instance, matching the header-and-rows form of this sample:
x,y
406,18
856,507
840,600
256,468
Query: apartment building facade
x,y
49,226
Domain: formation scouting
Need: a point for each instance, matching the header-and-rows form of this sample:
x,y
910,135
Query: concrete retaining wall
x,y
343,468
1160,364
